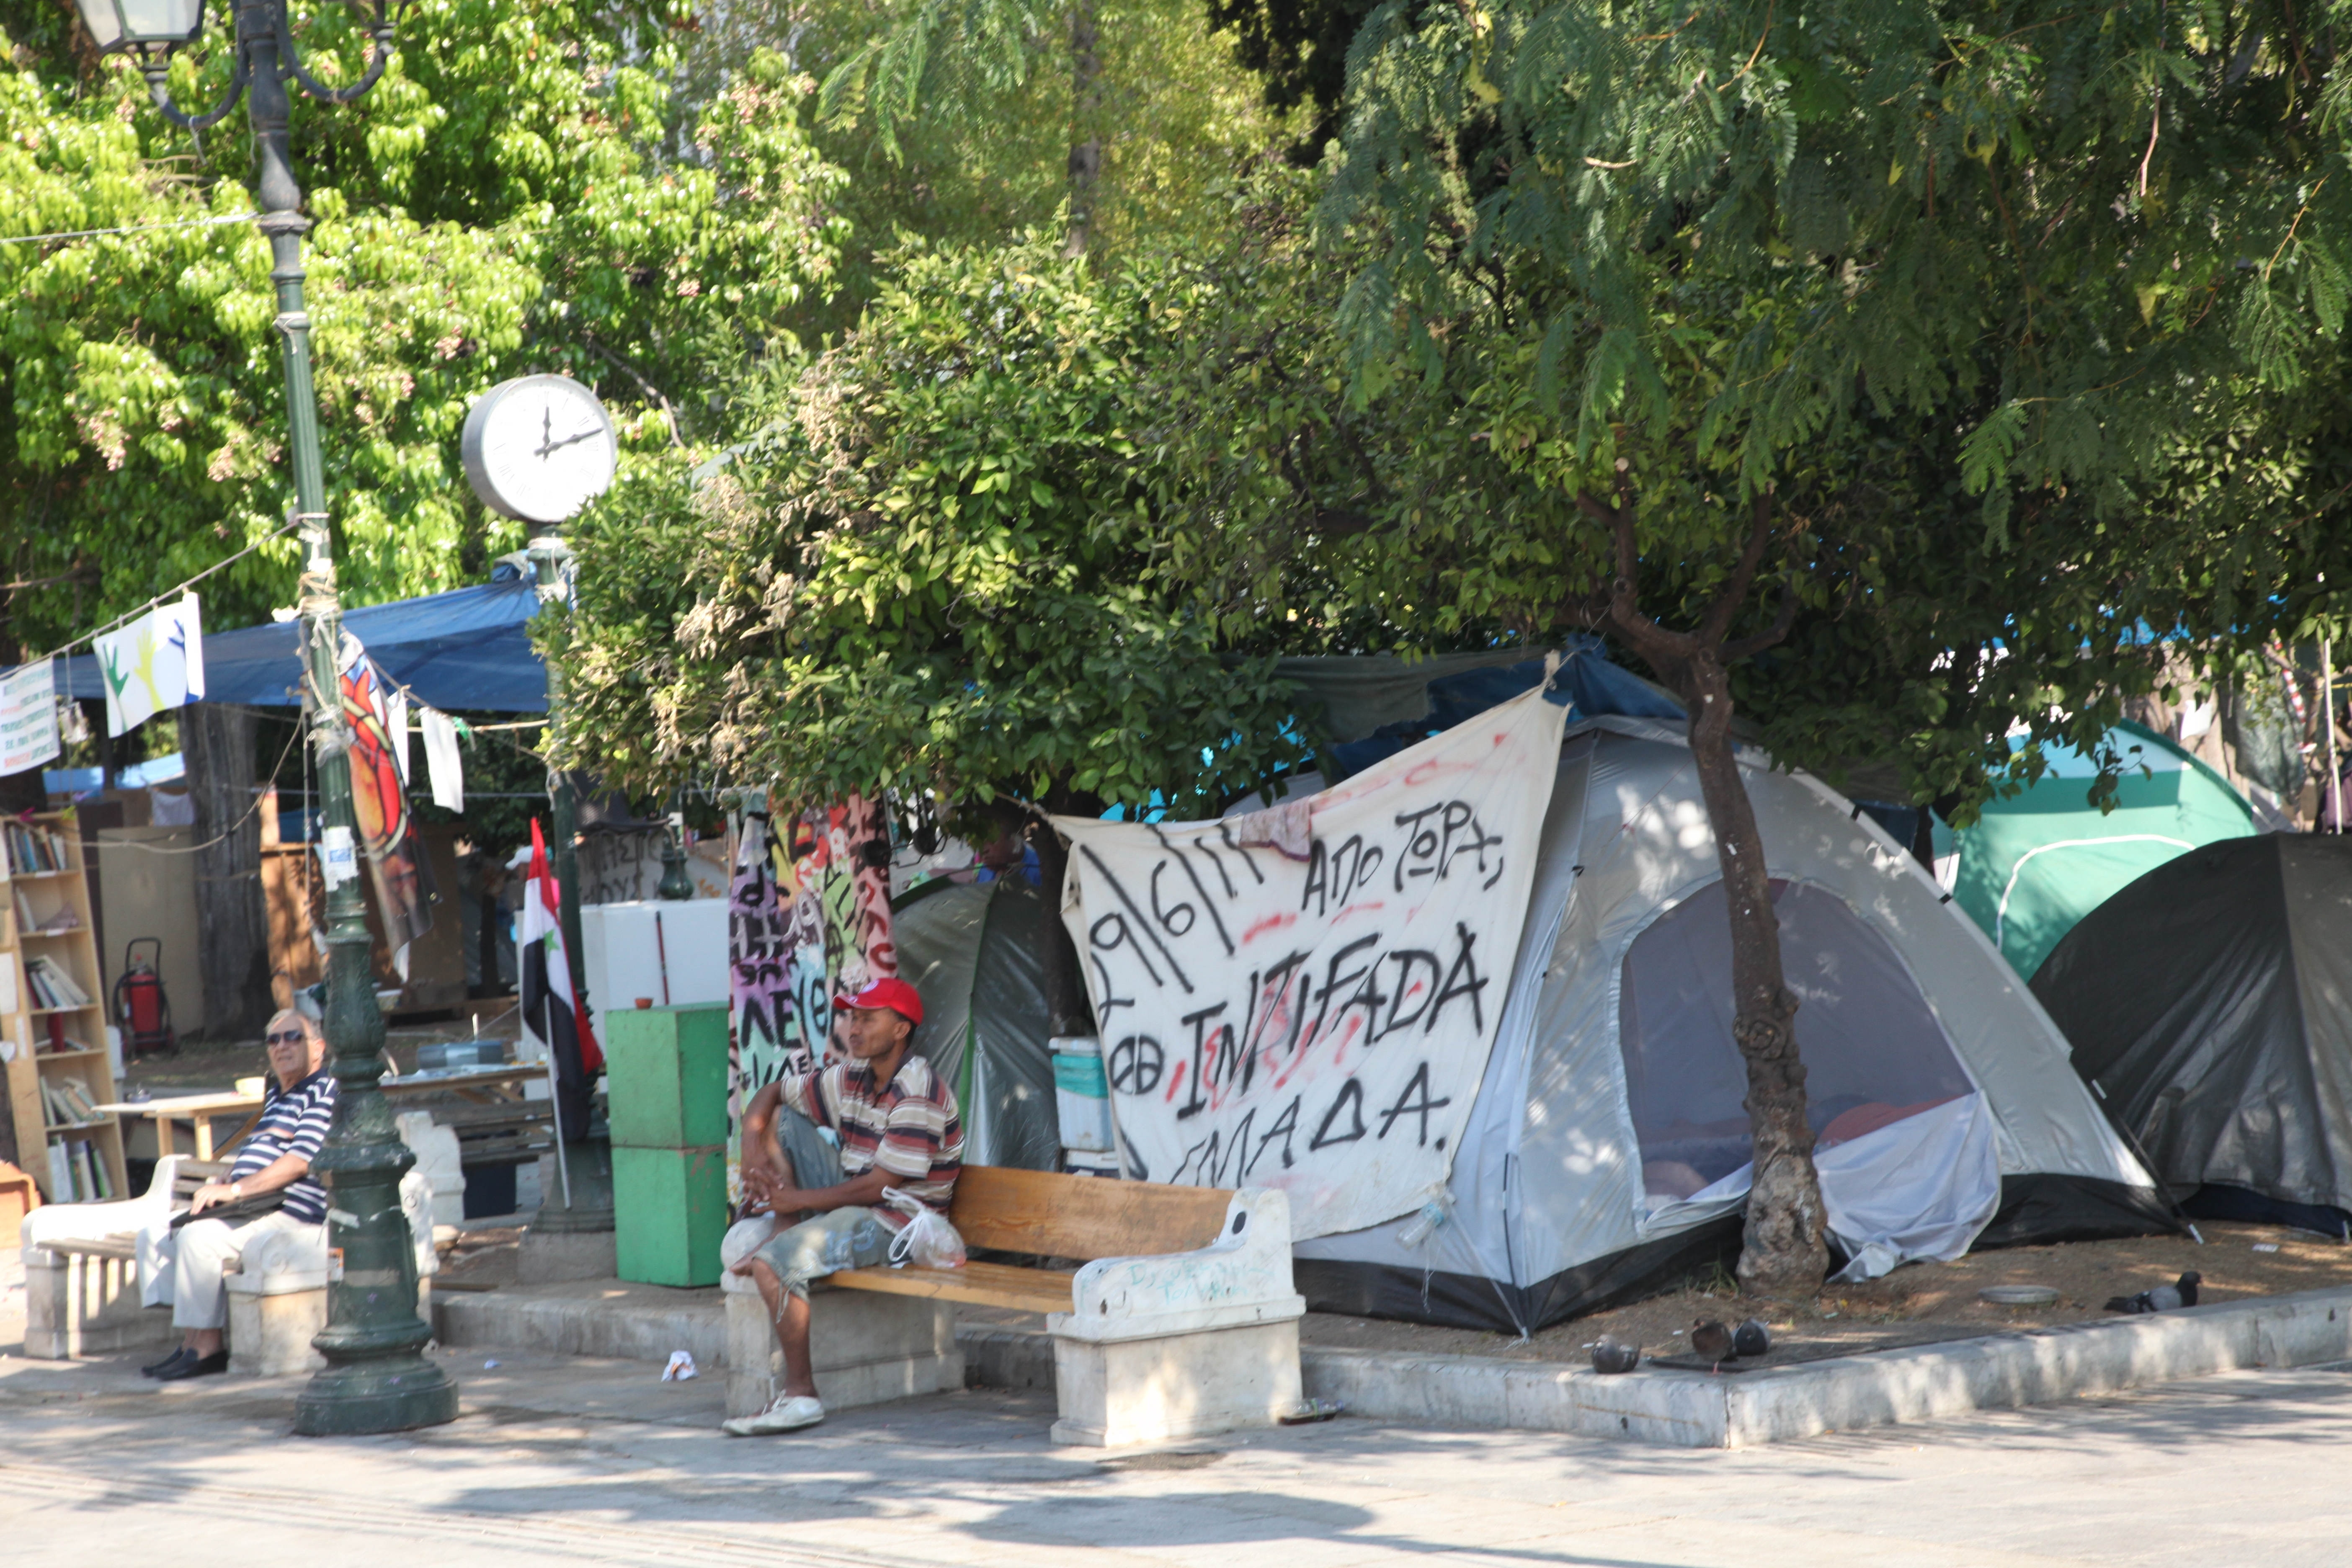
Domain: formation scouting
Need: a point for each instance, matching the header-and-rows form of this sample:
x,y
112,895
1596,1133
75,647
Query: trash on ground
x,y
681,1368
1311,1410
2018,1295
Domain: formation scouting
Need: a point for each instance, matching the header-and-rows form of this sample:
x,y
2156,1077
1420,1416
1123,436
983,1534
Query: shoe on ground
x,y
157,1369
211,1365
790,1413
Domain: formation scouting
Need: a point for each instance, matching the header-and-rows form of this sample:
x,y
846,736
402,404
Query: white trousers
x,y
184,1269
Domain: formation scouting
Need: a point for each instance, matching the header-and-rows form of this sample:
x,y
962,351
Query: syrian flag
x,y
551,1013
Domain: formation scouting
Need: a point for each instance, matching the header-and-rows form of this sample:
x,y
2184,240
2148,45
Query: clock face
x,y
540,448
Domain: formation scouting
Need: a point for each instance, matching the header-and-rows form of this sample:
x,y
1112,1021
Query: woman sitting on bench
x,y
898,1127
268,1216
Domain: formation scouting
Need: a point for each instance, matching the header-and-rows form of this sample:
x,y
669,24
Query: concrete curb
x,y
1924,1383
1685,1409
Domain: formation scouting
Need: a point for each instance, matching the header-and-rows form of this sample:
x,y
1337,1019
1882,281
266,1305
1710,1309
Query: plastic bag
x,y
927,1240
743,1238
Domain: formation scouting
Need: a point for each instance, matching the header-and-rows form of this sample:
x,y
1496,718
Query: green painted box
x,y
669,1209
666,1076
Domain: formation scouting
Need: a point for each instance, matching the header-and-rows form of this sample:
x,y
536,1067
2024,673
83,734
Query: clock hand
x,y
550,450
546,430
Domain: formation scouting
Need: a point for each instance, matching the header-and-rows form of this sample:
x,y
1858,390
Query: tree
x,y
512,196
936,571
1900,316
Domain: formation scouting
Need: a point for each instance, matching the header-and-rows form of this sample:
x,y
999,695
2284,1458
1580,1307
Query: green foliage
x,y
937,570
2003,366
521,192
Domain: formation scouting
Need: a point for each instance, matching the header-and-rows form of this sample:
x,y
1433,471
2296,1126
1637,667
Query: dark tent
x,y
2211,1002
971,950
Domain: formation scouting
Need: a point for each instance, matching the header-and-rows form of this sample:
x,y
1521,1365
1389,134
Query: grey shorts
x,y
842,1239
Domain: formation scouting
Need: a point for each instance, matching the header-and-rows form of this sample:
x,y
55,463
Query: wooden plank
x,y
978,1284
1085,1217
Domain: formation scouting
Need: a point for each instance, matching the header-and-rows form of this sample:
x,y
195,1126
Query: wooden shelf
x,y
53,895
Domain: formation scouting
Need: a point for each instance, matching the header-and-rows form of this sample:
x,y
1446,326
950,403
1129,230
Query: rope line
x,y
127,229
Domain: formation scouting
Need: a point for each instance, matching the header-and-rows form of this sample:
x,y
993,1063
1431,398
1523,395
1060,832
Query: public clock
x,y
540,448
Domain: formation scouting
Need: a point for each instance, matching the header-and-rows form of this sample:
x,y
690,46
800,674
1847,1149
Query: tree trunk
x,y
1085,139
1782,1251
233,926
1066,985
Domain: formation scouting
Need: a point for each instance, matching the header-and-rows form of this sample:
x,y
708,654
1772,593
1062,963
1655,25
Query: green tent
x,y
2040,860
972,950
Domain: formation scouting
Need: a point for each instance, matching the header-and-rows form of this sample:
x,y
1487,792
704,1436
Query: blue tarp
x,y
466,649
1588,685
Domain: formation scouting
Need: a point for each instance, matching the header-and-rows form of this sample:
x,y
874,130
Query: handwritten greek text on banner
x,y
1305,997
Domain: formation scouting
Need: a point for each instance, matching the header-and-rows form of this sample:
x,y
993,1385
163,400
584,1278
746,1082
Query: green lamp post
x,y
376,1377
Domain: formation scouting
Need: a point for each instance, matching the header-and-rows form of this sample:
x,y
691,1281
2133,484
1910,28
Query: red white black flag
x,y
551,1012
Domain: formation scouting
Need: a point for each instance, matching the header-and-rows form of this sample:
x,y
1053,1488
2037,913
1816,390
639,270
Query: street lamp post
x,y
376,1377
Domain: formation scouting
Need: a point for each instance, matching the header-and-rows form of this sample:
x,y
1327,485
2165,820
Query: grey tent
x,y
971,952
1607,1151
2211,1001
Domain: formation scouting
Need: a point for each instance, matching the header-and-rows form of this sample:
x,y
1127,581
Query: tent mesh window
x,y
1872,1049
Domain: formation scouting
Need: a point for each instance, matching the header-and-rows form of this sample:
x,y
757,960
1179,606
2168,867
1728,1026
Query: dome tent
x,y
2037,861
2207,1000
971,950
1607,1150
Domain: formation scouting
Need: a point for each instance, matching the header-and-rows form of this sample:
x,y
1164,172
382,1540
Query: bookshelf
x,y
53,1013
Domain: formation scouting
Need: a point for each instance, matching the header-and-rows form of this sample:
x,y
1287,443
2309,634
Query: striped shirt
x,y
293,1122
912,1130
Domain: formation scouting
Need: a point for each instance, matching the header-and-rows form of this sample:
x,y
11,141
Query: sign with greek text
x,y
28,717
1305,997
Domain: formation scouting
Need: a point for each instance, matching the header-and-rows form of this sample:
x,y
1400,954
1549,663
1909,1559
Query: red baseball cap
x,y
895,994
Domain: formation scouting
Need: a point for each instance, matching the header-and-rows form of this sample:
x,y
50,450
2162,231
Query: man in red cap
x,y
893,1124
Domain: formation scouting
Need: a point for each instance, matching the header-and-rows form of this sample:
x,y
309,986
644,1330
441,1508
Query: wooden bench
x,y
1180,1319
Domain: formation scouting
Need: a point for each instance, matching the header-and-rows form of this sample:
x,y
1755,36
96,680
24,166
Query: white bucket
x,y
1081,1094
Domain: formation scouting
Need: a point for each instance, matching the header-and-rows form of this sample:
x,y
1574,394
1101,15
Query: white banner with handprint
x,y
1305,997
154,663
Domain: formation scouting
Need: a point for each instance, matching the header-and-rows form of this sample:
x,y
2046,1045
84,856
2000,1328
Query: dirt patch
x,y
1924,1303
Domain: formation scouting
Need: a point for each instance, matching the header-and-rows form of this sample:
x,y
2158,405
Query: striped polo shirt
x,y
293,1122
911,1128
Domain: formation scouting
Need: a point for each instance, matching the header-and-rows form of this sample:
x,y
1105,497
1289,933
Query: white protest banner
x,y
155,662
1305,997
28,717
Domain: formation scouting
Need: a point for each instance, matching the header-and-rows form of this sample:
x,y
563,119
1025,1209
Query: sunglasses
x,y
285,1038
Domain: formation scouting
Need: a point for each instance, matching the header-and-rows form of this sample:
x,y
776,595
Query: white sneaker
x,y
788,1414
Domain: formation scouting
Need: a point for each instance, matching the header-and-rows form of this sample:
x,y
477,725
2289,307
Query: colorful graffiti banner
x,y
808,919
378,719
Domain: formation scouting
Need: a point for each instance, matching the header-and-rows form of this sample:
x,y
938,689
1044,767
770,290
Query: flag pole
x,y
555,1105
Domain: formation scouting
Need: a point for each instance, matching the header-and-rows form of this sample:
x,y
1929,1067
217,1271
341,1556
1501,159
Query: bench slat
x,y
979,1284
1085,1217
125,1247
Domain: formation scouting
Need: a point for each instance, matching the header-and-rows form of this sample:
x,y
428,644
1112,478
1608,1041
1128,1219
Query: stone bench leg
x,y
273,1319
1170,1387
1186,1343
78,1304
865,1347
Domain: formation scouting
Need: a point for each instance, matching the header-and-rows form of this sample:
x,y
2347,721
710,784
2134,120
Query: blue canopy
x,y
469,648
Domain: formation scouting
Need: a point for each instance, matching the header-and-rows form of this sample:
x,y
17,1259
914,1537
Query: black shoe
x,y
196,1366
168,1363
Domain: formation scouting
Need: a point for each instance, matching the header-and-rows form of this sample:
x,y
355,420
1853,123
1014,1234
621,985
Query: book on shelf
x,y
61,1185
84,1171
52,986
23,910
33,848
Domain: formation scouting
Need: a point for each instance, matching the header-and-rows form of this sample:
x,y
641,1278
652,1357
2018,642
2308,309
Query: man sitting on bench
x,y
896,1125
271,1212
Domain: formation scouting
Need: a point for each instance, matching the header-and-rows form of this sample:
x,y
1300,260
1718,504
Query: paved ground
x,y
565,1459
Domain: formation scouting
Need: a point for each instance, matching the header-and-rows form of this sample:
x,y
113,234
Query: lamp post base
x,y
376,1395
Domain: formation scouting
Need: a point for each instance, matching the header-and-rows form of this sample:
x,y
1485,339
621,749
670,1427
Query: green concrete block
x,y
669,1209
666,1076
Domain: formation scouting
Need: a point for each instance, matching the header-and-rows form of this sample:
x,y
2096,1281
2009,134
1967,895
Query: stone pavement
x,y
564,1458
